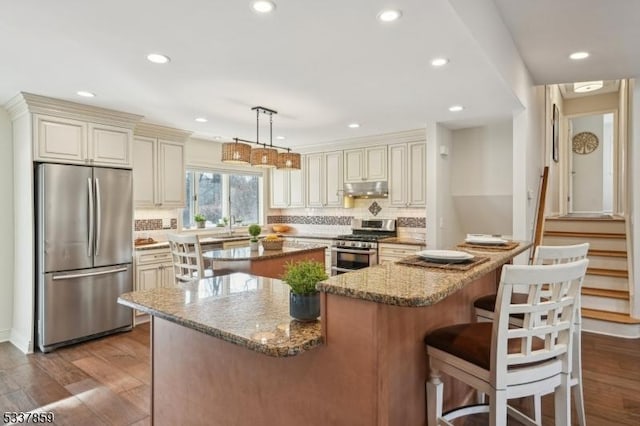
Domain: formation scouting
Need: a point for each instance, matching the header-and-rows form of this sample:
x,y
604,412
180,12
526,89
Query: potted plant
x,y
304,299
254,231
200,220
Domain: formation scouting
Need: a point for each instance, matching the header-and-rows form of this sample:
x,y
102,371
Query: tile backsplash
x,y
154,224
402,222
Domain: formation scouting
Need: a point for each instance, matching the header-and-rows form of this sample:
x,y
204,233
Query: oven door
x,y
350,259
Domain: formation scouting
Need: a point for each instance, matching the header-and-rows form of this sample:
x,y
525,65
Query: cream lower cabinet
x,y
80,142
388,252
153,269
407,174
158,173
324,179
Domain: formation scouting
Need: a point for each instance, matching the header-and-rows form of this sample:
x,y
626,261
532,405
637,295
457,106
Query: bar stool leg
x,y
498,408
434,397
563,401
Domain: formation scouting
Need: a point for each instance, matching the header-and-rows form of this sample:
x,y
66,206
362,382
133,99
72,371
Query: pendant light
x,y
265,155
236,153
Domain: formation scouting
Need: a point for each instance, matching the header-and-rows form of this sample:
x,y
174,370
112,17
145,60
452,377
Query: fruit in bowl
x,y
280,228
272,237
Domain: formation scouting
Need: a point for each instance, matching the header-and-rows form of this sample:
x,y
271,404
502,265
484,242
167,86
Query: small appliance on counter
x,y
84,251
360,248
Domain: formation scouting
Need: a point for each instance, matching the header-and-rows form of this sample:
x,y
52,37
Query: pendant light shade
x,y
236,153
264,157
289,161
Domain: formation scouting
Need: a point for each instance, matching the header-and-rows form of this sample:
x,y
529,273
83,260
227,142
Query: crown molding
x,y
151,130
28,102
416,135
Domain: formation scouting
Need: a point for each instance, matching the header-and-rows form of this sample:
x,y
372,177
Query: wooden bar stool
x,y
507,361
485,306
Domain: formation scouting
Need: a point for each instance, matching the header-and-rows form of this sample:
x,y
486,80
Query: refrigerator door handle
x,y
88,274
91,225
98,216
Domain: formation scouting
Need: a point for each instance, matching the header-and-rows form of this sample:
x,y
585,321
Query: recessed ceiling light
x,y
579,55
280,138
438,62
86,94
263,6
201,120
157,58
354,125
456,108
389,15
587,86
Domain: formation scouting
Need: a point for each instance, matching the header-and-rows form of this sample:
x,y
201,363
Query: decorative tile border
x,y
411,222
153,224
311,220
403,222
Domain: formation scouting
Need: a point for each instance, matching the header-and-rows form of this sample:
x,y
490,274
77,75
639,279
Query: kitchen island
x,y
261,262
226,352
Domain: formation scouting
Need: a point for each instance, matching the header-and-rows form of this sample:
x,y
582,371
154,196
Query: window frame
x,y
262,208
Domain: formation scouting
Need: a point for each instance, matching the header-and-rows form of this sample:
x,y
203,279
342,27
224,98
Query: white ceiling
x,y
321,64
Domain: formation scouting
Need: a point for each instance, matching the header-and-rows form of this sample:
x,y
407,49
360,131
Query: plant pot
x,y
304,307
200,224
254,245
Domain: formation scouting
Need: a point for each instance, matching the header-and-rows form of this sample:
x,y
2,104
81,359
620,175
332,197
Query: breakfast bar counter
x,y
228,353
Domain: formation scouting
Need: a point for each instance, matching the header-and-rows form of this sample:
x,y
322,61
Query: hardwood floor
x,y
107,381
101,382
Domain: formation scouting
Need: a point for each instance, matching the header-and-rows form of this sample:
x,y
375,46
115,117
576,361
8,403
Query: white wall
x,y
482,176
6,226
634,196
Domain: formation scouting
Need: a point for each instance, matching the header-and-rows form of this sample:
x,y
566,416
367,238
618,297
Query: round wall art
x,y
584,143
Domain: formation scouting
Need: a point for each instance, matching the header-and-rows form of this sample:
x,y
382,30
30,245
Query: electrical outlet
x,y
166,223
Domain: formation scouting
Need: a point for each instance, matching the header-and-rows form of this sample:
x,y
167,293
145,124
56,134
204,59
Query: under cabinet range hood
x,y
372,189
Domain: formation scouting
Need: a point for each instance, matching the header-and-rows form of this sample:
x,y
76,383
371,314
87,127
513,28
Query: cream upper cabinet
x,y
158,173
81,142
365,164
324,179
287,188
407,174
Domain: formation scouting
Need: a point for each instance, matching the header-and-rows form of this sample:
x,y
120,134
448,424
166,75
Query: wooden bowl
x,y
280,228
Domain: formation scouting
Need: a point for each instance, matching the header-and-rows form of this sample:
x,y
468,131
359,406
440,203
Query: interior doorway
x,y
592,140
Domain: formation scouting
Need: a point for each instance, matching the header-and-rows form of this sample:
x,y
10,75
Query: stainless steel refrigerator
x,y
84,252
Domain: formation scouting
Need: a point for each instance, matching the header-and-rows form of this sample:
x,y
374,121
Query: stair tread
x,y
607,253
612,235
585,218
601,292
609,316
618,273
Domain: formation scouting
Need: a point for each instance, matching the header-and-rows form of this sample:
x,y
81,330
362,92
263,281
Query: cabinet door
x,y
171,174
398,175
417,175
109,145
296,188
279,188
315,180
60,139
333,179
376,163
167,275
148,277
144,172
354,165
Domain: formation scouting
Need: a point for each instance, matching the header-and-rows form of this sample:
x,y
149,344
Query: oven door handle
x,y
335,268
342,250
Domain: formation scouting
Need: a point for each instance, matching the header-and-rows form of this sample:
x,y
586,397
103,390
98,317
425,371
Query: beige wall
x,y
6,226
587,104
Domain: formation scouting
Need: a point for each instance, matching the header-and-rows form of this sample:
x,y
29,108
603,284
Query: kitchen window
x,y
223,198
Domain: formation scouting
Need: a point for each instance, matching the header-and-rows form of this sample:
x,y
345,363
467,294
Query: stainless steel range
x,y
360,248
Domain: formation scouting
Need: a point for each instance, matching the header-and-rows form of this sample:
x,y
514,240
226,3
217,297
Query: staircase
x,y
605,291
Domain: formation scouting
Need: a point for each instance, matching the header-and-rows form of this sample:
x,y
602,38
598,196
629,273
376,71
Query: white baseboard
x,y
627,331
20,341
5,335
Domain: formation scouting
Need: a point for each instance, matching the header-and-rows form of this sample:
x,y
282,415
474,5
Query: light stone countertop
x,y
242,309
245,253
203,241
402,240
402,285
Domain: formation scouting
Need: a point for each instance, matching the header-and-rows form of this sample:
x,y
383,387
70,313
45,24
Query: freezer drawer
x,y
75,305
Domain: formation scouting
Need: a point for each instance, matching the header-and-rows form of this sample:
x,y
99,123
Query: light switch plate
x,y
166,222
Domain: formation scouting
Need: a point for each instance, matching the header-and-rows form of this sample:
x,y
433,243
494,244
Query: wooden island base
x,y
371,369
